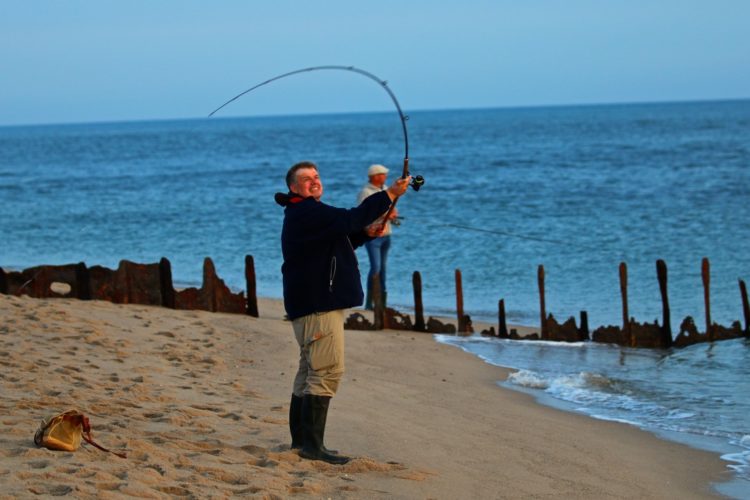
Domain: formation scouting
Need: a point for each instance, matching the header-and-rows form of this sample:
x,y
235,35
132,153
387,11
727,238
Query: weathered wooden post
x,y
583,331
252,297
416,281
502,327
209,284
666,322
745,307
460,303
706,275
83,283
377,302
542,309
624,293
165,283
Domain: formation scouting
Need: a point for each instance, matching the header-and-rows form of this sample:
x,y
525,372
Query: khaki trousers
x,y
321,353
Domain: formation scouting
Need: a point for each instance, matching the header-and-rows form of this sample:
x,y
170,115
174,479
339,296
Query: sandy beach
x,y
199,401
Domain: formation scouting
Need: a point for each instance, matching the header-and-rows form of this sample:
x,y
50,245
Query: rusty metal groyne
x,y
151,284
630,333
133,283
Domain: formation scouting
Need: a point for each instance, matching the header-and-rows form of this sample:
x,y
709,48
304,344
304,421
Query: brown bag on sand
x,y
65,431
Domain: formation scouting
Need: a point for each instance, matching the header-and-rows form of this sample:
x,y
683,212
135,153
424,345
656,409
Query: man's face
x,y
308,183
378,179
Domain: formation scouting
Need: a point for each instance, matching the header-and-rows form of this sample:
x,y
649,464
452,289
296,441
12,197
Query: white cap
x,y
376,169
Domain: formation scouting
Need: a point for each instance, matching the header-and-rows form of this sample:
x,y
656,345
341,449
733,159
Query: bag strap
x,y
87,437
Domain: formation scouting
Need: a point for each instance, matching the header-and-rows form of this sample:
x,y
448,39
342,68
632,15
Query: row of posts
x,y
464,325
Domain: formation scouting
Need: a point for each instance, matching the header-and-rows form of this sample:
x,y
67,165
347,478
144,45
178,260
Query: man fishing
x,y
321,279
377,248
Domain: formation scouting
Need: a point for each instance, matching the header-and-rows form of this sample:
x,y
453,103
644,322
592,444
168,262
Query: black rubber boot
x,y
295,422
314,416
296,428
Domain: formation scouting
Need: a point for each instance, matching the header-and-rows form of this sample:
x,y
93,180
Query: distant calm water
x,y
602,184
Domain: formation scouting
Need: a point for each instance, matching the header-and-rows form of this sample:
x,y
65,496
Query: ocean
x,y
578,189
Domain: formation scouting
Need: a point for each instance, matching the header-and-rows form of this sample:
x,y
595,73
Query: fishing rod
x,y
417,181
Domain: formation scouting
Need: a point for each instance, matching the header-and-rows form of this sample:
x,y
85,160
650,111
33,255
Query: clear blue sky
x,y
76,61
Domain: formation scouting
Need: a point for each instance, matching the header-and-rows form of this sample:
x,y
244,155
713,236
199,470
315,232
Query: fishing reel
x,y
417,182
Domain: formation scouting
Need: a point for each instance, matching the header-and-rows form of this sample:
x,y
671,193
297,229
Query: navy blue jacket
x,y
320,268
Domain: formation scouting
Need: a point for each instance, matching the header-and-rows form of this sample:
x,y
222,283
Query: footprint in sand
x,y
174,490
207,408
157,468
55,490
251,490
109,486
256,451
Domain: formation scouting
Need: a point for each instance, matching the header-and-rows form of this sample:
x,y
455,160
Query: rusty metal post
x,y
209,284
542,309
3,282
460,303
165,283
745,307
666,322
252,294
377,302
583,331
624,293
416,281
83,283
502,327
706,275
127,292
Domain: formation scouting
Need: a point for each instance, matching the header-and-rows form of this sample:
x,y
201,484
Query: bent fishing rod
x,y
417,181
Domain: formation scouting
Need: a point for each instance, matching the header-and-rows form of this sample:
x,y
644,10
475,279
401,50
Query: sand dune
x,y
199,401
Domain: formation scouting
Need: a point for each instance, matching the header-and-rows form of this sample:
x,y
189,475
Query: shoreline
x,y
734,486
199,400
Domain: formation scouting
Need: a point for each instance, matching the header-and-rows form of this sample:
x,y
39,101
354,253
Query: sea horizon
x,y
385,111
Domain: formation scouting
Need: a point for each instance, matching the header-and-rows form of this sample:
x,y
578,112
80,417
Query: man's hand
x,y
398,188
394,214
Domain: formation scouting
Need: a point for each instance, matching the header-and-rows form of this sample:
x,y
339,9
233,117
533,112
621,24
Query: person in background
x,y
321,279
377,248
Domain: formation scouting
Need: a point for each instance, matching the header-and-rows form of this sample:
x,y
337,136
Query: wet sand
x,y
199,401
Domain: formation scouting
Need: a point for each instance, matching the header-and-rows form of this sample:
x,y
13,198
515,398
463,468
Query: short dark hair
x,y
291,175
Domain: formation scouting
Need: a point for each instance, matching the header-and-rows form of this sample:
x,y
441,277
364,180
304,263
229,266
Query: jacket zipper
x,y
332,274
